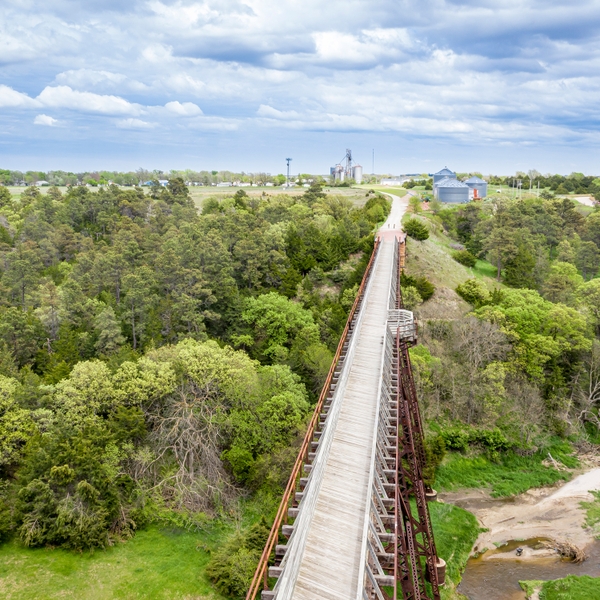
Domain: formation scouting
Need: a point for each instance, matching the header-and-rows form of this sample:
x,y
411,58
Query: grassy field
x,y
169,564
390,190
455,531
569,588
509,476
156,564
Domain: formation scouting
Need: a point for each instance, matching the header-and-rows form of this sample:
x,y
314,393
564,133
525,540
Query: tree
x,y
22,333
5,197
587,385
276,322
592,228
414,204
16,424
589,296
110,338
588,259
49,310
138,288
411,299
416,229
562,283
519,267
464,257
22,271
474,292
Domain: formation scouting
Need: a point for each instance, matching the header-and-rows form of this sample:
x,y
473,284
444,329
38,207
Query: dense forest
x,y
522,366
157,362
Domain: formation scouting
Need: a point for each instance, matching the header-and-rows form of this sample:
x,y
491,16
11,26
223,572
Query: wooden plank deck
x,y
325,554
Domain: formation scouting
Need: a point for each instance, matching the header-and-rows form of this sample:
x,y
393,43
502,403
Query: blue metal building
x,y
451,190
477,185
443,174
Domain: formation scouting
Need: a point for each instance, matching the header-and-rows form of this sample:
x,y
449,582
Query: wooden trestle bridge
x,y
353,523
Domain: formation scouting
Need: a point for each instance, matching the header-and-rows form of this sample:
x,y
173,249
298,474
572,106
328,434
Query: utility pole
x,y
289,160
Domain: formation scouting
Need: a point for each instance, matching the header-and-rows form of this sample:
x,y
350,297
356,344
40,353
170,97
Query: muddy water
x,y
486,578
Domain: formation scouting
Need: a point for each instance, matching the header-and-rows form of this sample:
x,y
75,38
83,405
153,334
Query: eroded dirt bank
x,y
552,512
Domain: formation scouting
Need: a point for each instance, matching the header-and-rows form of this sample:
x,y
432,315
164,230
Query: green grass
x,y
391,190
455,531
483,268
592,510
569,588
511,475
529,587
156,564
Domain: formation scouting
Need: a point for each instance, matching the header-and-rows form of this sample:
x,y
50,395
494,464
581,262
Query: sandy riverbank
x,y
553,512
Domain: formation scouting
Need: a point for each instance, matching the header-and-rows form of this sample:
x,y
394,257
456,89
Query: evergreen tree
x,y
110,338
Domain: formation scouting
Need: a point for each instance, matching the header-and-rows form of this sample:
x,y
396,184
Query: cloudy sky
x,y
495,86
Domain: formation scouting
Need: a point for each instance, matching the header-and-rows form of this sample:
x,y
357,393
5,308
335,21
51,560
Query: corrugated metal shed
x,y
476,183
445,172
451,190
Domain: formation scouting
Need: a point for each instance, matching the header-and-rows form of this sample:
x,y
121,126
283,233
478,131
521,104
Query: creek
x,y
488,578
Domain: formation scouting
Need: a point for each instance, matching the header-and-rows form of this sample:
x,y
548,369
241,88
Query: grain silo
x,y
357,173
445,172
478,187
451,190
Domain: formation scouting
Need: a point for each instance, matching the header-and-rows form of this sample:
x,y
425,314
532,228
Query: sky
x,y
490,86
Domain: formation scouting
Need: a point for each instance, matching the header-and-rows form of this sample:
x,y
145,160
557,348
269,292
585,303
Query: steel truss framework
x,y
401,554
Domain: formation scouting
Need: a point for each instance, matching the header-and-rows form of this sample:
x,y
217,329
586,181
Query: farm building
x,y
451,190
478,187
445,173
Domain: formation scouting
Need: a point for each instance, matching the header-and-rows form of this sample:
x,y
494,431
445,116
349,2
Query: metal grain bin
x,y
445,172
451,190
477,185
357,173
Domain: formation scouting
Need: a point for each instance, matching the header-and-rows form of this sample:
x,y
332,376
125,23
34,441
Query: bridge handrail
x,y
260,575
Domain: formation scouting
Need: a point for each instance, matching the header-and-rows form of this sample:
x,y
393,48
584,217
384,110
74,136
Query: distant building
x,y
396,182
451,190
224,184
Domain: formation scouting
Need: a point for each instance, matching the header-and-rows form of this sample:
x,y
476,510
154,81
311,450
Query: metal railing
x,y
260,579
401,554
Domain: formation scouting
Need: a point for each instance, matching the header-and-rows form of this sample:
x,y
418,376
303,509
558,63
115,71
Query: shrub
x,y
464,257
411,298
232,566
421,284
474,292
460,438
456,439
416,230
435,451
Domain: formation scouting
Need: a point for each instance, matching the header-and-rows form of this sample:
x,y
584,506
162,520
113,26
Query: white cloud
x,y
269,112
184,109
257,66
63,96
10,98
134,124
45,120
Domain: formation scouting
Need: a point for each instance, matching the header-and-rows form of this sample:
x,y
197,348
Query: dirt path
x,y
587,200
553,512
